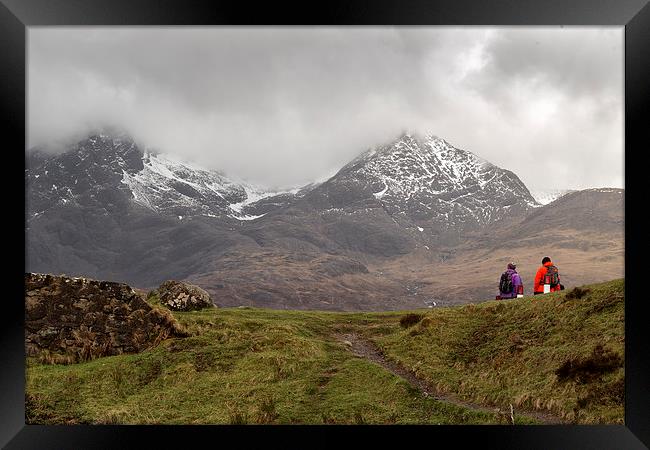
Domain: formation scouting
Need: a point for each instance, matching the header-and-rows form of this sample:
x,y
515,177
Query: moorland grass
x,y
560,352
260,366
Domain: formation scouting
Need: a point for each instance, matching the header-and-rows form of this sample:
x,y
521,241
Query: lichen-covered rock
x,y
181,296
76,319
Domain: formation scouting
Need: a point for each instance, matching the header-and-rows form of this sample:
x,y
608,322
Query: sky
x,y
285,106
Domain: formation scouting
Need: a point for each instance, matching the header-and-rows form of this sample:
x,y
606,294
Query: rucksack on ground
x,y
552,276
505,283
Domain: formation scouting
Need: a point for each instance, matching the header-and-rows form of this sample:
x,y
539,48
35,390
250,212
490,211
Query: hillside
x,y
405,223
555,358
582,232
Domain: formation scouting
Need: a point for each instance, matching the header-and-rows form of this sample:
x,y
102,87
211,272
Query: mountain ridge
x,y
109,209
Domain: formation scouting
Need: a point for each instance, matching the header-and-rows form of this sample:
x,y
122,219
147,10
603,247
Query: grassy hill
x,y
560,354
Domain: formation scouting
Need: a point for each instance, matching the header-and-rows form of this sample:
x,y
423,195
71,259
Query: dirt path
x,y
361,347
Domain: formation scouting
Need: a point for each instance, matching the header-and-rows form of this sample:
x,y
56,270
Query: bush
x,y
576,293
410,319
590,368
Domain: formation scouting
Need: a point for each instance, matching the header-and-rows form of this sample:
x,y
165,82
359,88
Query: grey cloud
x,y
285,106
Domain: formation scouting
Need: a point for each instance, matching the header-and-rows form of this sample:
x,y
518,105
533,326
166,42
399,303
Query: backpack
x,y
552,276
505,284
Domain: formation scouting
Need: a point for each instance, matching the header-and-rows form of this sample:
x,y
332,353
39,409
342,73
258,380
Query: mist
x,y
284,106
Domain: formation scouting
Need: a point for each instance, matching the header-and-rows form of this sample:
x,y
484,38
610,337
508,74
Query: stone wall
x,y
76,319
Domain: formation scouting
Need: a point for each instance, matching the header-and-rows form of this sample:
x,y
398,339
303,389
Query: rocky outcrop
x,y
181,296
76,319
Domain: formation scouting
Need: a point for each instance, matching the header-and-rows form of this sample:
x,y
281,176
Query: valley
x,y
404,225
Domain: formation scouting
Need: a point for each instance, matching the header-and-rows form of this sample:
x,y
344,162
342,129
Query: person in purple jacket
x,y
510,284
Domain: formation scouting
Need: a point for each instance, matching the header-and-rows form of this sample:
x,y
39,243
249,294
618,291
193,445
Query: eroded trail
x,y
361,347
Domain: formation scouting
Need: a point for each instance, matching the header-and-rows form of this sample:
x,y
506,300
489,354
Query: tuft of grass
x,y
238,418
45,356
149,371
267,412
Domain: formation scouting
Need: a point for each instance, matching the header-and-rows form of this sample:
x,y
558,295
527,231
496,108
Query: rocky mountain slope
x,y
583,233
366,238
104,170
429,182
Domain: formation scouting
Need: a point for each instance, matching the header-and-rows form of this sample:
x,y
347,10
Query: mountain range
x,y
409,223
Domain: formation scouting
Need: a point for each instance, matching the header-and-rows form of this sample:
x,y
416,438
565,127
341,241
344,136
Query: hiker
x,y
547,278
510,284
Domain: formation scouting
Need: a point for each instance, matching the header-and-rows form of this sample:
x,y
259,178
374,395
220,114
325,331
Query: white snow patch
x,y
607,190
248,217
546,196
379,195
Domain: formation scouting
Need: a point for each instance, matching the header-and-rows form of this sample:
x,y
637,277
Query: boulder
x,y
181,296
70,319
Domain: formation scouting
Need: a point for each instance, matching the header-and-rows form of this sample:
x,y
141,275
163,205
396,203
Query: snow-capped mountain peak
x,y
422,177
102,165
435,183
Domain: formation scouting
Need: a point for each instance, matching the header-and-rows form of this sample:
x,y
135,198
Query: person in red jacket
x,y
545,276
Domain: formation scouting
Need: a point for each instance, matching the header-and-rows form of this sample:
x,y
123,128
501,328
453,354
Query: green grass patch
x,y
561,353
259,366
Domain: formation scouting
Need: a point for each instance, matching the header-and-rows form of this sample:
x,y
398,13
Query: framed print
x,y
291,225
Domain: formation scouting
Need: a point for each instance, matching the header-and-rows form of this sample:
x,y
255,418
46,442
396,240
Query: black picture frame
x,y
634,15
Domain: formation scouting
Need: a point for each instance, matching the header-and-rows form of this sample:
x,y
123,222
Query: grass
x,y
260,366
561,353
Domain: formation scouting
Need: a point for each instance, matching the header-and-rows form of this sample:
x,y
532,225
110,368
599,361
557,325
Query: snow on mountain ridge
x,y
157,181
436,175
434,157
546,196
167,184
434,181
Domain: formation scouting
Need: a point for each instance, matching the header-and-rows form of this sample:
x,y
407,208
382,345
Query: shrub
x,y
590,368
576,293
602,394
410,319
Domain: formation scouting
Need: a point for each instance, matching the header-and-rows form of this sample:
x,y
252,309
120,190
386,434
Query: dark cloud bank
x,y
286,106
